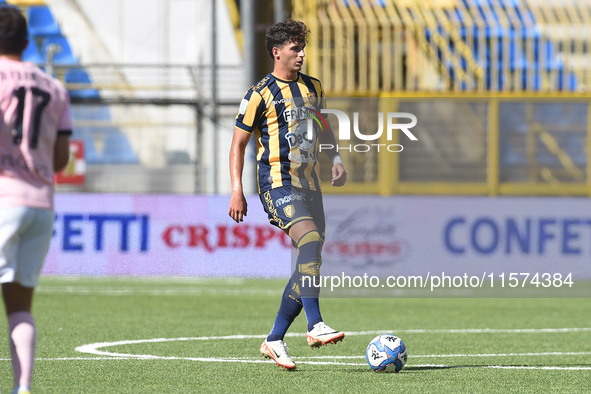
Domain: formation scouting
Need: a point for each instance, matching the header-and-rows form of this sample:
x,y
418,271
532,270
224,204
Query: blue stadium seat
x,y
65,56
32,54
90,154
91,112
110,152
115,145
41,21
79,76
117,150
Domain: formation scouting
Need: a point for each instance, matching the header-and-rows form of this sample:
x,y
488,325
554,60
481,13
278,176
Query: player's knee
x,y
308,264
309,247
310,241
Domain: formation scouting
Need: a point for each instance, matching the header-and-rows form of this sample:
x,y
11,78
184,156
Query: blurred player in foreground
x,y
281,110
35,128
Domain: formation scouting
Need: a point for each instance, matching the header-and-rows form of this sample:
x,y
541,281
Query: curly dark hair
x,y
13,31
282,33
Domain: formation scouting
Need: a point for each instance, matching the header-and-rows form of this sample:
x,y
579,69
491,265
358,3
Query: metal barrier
x,y
148,128
477,145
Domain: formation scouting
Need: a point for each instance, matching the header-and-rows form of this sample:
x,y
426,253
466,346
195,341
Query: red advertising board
x,y
75,171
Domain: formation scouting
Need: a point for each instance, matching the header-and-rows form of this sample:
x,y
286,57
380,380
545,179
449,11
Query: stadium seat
x,y
64,56
41,21
91,112
79,76
114,145
117,150
32,54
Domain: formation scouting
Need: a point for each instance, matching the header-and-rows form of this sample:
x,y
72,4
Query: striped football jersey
x,y
284,116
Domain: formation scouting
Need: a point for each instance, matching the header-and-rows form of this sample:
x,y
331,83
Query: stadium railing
x,y
373,46
511,144
482,77
143,126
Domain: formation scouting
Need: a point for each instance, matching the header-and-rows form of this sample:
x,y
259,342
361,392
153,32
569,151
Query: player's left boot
x,y
277,351
321,334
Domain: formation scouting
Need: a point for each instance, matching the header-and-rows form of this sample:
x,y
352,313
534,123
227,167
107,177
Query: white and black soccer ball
x,y
386,353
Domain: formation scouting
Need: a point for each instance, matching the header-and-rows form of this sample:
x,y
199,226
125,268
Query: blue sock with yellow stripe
x,y
298,293
289,309
308,269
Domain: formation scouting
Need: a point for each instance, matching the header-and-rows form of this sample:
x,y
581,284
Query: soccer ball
x,y
386,353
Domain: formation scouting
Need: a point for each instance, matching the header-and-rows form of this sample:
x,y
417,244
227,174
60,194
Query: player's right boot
x,y
278,352
321,334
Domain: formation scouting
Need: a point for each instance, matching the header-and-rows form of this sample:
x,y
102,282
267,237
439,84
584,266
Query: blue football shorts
x,y
288,205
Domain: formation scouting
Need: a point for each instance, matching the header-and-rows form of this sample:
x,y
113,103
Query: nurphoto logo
x,y
306,135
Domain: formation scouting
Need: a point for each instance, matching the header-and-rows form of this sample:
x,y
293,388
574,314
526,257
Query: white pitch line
x,y
68,358
93,347
259,361
546,368
122,291
484,331
459,355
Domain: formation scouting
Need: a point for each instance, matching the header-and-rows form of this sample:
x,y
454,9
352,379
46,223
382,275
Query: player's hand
x,y
238,207
339,175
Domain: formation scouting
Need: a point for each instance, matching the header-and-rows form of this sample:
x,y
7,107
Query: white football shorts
x,y
24,241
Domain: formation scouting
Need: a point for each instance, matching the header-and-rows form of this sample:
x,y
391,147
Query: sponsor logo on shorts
x,y
288,199
272,210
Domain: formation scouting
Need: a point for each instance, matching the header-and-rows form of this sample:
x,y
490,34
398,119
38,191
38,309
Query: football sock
x,y
21,389
21,334
308,265
289,309
312,309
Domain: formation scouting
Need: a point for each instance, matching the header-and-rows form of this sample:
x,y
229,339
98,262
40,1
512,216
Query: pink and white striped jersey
x,y
33,108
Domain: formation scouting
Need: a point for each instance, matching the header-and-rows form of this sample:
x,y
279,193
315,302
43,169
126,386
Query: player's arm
x,y
61,151
238,206
339,175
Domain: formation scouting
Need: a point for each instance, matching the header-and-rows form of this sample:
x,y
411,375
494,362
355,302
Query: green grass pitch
x,y
450,350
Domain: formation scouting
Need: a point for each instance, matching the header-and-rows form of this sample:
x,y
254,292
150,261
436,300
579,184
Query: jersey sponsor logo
x,y
20,162
304,136
289,211
282,101
311,158
299,113
243,106
288,199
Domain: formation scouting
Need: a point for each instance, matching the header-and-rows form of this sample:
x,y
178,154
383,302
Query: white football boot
x,y
278,352
321,334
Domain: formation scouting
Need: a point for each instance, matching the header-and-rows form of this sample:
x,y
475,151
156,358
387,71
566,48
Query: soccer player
x,y
282,110
35,126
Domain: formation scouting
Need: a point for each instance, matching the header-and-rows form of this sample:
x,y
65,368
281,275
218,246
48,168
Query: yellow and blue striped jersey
x,y
284,117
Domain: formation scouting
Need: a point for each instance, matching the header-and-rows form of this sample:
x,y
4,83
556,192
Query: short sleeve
x,y
251,109
65,122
